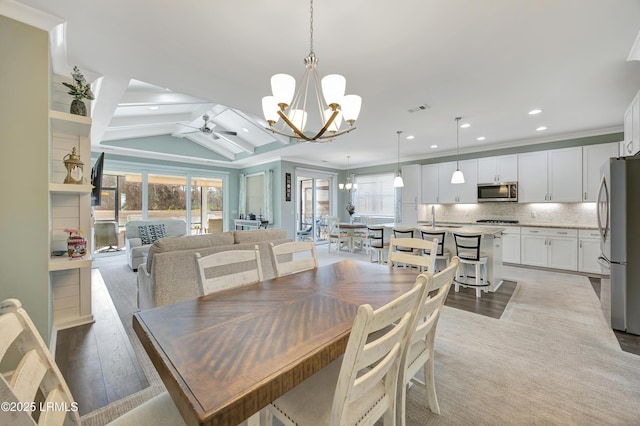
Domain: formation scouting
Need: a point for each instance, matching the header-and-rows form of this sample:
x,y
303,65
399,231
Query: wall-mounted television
x,y
96,181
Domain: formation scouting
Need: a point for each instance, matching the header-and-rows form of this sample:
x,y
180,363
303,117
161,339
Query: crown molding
x,y
29,15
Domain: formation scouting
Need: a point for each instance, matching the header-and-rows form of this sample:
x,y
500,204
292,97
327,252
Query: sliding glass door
x,y
314,201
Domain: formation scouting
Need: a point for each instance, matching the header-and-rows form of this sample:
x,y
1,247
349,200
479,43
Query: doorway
x,y
314,194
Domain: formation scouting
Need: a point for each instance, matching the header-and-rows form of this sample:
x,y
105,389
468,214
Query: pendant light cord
x,y
458,143
398,167
311,52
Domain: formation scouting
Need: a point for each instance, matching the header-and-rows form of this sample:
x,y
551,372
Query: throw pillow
x,y
150,233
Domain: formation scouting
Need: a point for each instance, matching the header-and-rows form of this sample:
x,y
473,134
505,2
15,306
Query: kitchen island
x,y
490,245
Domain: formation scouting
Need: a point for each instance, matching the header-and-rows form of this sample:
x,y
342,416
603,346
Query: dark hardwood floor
x,y
490,304
97,360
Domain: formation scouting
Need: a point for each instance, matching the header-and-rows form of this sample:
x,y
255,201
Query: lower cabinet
x,y
511,245
588,251
549,247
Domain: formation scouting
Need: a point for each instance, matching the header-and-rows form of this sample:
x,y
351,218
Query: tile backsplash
x,y
557,214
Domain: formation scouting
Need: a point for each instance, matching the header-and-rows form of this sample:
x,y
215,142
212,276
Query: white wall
x,y
24,169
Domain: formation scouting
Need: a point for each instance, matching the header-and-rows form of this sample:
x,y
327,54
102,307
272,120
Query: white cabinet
x,y
549,247
429,183
411,175
69,207
631,143
502,168
511,244
409,213
593,156
550,176
588,251
467,192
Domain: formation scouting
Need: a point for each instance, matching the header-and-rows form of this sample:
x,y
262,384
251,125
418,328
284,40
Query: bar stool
x,y
376,242
443,253
468,250
403,233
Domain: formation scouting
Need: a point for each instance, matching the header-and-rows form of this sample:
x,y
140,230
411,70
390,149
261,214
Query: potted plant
x,y
80,90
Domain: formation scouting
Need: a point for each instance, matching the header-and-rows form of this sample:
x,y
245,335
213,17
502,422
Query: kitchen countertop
x,y
458,228
505,225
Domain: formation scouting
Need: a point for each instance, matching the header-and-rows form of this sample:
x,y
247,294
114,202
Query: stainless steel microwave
x,y
505,191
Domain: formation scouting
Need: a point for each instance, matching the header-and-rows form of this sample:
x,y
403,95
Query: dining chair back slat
x,y
294,257
416,256
228,269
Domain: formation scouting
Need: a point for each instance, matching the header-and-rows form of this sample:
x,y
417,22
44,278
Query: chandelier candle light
x,y
349,185
397,181
457,176
290,105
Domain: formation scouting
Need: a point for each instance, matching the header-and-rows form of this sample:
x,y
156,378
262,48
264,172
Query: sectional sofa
x,y
170,274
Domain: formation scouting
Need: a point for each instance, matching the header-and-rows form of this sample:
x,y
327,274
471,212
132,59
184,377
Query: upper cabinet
x,y
631,143
411,192
464,193
503,168
550,176
430,183
593,156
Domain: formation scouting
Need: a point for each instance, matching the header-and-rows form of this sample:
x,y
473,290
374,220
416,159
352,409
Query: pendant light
x,y
350,184
457,176
397,181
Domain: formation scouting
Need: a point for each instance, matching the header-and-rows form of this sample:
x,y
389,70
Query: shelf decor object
x,y
289,105
74,168
80,90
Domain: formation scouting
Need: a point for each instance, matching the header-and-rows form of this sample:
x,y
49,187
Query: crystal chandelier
x,y
457,176
286,111
350,185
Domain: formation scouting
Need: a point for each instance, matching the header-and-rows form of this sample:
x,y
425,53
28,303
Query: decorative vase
x,y
78,107
76,246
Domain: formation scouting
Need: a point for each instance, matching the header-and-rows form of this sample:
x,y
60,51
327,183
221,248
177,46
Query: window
x,y
206,204
167,197
375,195
255,194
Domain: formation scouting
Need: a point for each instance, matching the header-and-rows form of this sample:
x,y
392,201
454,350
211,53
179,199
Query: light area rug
x,y
550,360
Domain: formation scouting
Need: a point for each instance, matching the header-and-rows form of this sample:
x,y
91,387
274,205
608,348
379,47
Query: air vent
x,y
419,108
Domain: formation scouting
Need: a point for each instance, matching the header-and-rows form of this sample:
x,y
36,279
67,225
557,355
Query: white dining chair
x,y
420,349
413,254
336,235
295,256
30,370
228,269
361,386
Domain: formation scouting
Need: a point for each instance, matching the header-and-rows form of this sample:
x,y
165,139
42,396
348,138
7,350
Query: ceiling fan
x,y
209,129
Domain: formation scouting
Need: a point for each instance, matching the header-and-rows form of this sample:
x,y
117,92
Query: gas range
x,y
498,221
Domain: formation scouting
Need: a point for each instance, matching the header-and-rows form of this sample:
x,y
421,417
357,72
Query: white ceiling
x,y
489,62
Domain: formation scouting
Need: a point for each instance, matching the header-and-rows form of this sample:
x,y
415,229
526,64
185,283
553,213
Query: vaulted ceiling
x,y
416,63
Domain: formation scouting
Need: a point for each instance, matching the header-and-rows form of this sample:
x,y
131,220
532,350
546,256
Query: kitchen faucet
x,y
433,217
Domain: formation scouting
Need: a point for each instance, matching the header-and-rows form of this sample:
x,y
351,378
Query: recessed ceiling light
x,y
155,107
465,125
541,128
434,146
245,129
480,138
535,111
411,137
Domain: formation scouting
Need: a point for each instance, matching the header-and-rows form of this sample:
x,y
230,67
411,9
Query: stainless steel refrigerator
x,y
619,226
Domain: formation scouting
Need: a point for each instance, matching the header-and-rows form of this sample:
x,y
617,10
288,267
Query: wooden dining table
x,y
225,356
